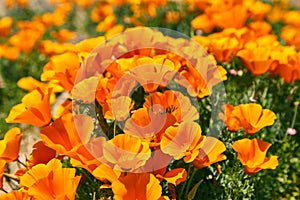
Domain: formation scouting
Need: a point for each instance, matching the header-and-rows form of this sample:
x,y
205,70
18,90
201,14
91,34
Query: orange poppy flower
x,y
105,88
85,90
228,16
269,41
251,117
16,195
63,8
141,47
290,71
10,145
130,65
121,66
173,16
243,35
20,172
40,154
30,84
228,118
258,10
34,109
157,163
50,48
89,44
225,44
10,53
252,155
175,176
200,85
107,23
137,186
50,181
291,17
276,14
260,28
224,48
149,125
160,72
63,35
106,173
25,39
291,34
176,59
202,22
55,18
64,108
172,102
116,29
210,152
21,3
117,108
284,54
125,152
32,25
200,5
195,84
124,86
88,155
225,14
182,140
5,26
257,60
116,2
204,41
64,136
9,3
62,68
101,10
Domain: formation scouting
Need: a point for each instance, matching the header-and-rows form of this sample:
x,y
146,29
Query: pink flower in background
x,y
291,131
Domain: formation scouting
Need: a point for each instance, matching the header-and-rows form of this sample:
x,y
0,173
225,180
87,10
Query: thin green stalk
x,y
295,114
10,183
102,121
115,127
185,182
190,181
11,177
23,164
4,190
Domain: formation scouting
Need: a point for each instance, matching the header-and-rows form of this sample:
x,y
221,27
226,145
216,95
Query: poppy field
x,y
149,99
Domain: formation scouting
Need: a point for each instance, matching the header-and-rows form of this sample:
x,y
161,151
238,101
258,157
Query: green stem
x,y
115,127
102,120
88,176
295,114
11,177
190,181
253,95
23,164
10,183
4,190
184,184
265,92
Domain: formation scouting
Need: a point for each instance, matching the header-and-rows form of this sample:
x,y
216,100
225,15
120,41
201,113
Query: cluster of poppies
x,y
129,115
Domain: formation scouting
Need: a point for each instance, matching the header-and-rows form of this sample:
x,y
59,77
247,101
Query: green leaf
x,y
193,191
